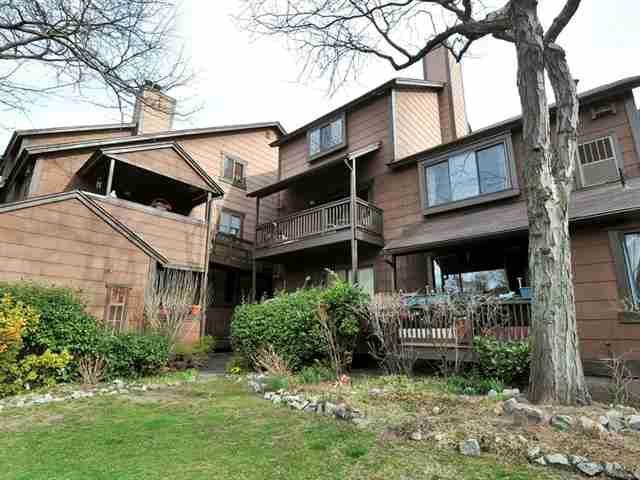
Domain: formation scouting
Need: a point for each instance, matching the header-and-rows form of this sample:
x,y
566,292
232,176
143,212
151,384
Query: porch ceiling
x,y
596,202
282,184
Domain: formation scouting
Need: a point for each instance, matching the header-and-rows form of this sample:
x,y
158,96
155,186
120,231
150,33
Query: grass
x,y
214,430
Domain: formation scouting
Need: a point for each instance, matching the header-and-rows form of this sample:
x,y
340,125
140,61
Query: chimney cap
x,y
152,85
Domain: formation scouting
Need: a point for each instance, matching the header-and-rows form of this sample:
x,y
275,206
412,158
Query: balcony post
x,y
354,222
204,284
112,165
254,271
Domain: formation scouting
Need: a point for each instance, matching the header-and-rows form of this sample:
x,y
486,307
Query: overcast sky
x,y
245,81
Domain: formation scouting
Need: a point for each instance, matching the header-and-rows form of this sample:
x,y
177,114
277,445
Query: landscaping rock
x,y
269,395
376,392
590,469
343,413
590,427
557,460
576,459
311,407
539,461
330,408
533,453
416,436
615,420
617,472
492,394
508,393
470,447
509,406
562,422
435,410
634,422
528,415
256,387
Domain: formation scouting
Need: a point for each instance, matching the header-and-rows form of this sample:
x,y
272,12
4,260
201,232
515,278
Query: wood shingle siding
x,y
66,244
417,126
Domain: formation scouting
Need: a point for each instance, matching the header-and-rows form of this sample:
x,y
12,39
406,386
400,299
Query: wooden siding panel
x,y
417,122
79,251
167,162
181,242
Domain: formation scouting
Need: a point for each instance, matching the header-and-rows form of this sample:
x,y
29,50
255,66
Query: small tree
x,y
168,300
334,36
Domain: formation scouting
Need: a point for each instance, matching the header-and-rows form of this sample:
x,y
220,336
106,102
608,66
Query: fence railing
x,y
434,323
323,219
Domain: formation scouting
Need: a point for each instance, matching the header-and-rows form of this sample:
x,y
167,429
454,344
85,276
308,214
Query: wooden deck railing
x,y
431,324
323,219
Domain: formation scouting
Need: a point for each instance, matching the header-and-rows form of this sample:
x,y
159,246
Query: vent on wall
x,y
603,109
597,162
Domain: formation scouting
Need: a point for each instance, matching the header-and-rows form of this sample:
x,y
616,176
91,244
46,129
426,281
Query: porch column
x,y
112,166
254,271
354,221
204,284
394,274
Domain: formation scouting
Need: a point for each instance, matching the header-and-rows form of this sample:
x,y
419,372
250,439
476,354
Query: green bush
x,y
506,361
288,322
134,354
194,354
473,384
316,373
64,324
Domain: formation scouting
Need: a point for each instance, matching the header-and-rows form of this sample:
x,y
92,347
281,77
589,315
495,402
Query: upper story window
x,y
471,173
234,170
327,137
230,223
597,162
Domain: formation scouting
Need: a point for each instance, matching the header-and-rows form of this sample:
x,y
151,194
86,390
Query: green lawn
x,y
213,430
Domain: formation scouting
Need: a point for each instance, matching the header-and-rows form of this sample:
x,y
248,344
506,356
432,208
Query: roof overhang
x,y
282,184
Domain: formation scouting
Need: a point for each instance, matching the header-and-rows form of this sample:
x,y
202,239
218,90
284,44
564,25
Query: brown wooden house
x,y
98,207
395,186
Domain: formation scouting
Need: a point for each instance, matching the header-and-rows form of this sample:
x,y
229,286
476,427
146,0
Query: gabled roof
x,y
96,209
588,96
193,173
18,135
490,221
406,83
153,137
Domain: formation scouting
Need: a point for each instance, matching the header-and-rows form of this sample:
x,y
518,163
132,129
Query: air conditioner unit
x,y
597,162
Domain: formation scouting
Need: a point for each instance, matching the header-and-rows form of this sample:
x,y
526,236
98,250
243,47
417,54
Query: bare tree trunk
x,y
556,367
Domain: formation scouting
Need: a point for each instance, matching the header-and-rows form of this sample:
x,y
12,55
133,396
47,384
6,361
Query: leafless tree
x,y
50,46
334,36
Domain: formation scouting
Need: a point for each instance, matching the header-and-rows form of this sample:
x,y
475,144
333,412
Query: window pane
x,y
239,175
314,141
488,281
438,185
325,137
463,173
336,132
228,167
632,251
492,169
365,279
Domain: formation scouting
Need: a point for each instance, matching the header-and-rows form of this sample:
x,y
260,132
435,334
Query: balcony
x,y
322,225
231,251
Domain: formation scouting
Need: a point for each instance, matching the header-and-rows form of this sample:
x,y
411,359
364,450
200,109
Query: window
x,y
116,308
234,170
230,223
327,137
468,174
365,278
631,246
478,282
597,162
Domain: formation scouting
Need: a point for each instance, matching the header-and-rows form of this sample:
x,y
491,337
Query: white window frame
x,y
234,179
112,307
317,130
231,214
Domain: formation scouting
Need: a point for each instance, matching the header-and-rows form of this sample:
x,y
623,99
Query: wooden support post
x,y
394,273
354,222
112,166
254,271
204,283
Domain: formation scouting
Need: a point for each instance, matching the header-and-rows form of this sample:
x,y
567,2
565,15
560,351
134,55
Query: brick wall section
x,y
67,244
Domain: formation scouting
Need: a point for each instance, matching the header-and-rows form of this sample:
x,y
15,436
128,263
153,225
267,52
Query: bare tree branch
x,y
561,21
47,46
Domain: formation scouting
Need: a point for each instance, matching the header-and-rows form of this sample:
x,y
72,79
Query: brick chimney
x,y
153,110
440,65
